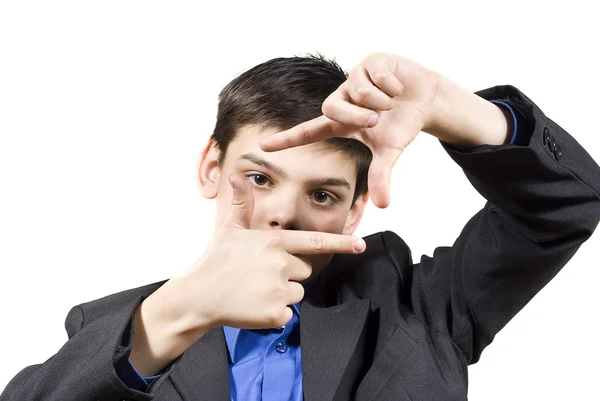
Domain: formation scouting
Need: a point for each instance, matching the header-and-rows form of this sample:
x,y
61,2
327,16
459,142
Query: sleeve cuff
x,y
132,378
515,121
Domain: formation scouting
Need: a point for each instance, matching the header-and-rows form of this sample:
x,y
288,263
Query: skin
x,y
385,102
285,191
280,237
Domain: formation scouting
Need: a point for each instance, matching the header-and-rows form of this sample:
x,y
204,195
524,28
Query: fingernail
x,y
359,245
373,120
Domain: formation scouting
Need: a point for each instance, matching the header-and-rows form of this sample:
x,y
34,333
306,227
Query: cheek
x,y
329,222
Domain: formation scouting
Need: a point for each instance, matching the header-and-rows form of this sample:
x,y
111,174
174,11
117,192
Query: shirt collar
x,y
232,333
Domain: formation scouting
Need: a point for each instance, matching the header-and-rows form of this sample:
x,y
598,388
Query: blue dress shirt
x,y
264,364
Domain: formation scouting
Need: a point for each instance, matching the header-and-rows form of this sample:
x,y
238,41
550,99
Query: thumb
x,y
380,177
242,203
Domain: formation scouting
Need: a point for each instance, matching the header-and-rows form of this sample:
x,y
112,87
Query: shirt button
x,y
281,348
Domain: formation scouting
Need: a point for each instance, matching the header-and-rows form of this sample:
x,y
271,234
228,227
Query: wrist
x,y
181,305
162,330
463,119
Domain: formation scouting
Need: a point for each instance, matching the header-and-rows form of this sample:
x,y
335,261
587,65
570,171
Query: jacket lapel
x,y
329,336
203,369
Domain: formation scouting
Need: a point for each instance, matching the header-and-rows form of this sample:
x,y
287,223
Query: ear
x,y
209,171
355,214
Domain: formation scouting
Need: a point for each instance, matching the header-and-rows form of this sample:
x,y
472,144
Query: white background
x,y
104,108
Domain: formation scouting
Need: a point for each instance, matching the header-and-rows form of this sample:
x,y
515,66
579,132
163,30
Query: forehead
x,y
314,160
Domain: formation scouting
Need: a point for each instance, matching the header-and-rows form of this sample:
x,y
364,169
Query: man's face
x,y
304,188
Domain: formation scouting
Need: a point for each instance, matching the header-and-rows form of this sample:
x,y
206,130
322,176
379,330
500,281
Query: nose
x,y
283,213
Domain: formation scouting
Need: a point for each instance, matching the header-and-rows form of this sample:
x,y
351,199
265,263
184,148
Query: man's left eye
x,y
322,198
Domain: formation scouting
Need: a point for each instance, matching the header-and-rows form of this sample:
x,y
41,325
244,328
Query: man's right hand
x,y
246,279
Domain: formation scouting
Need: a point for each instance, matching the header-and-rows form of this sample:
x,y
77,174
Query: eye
x,y
323,198
259,180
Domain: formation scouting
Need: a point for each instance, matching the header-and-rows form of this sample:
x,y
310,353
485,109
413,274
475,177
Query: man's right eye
x,y
259,180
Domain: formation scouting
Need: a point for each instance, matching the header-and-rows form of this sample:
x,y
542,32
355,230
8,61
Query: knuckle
x,y
343,245
304,133
317,243
278,292
279,264
361,120
380,77
362,93
327,107
274,294
274,318
237,202
273,242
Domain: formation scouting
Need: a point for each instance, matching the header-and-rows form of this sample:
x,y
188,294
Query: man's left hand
x,y
385,102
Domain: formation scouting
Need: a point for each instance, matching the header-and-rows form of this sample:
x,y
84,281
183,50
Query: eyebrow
x,y
329,182
316,182
262,162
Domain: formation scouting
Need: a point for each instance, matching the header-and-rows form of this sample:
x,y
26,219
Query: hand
x,y
248,278
385,102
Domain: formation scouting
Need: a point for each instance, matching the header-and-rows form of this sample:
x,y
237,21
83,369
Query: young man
x,y
269,313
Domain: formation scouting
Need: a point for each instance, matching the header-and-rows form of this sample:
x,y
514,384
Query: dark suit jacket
x,y
377,326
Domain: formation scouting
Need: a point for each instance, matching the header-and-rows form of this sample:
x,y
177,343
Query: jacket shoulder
x,y
382,247
387,259
82,314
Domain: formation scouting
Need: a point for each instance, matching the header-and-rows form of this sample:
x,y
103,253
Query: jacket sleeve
x,y
84,368
543,202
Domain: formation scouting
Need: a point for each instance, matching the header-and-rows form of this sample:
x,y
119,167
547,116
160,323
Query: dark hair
x,y
282,93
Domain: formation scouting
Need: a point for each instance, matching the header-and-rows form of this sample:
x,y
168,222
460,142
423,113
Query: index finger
x,y
316,242
317,129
